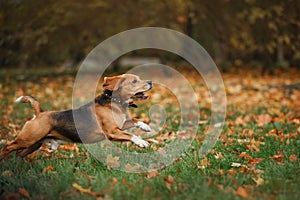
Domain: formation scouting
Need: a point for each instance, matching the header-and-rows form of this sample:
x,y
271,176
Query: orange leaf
x,y
113,182
231,172
24,193
293,158
70,147
48,168
244,155
263,119
242,192
277,157
254,161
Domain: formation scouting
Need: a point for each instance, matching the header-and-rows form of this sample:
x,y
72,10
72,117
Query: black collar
x,y
108,96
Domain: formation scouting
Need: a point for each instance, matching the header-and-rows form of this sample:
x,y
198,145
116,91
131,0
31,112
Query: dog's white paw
x,y
139,141
143,126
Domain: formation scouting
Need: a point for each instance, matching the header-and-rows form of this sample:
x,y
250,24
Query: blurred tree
x,y
52,32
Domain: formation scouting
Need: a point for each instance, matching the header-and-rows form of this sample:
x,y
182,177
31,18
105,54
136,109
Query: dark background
x,y
235,33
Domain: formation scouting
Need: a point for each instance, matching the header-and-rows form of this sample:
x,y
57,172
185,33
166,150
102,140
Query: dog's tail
x,y
33,102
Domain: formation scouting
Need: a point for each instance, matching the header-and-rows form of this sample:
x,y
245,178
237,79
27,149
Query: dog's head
x,y
127,87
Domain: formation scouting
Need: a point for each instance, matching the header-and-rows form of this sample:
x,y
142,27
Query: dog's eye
x,y
134,81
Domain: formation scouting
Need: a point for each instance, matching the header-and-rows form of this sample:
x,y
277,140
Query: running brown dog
x,y
105,117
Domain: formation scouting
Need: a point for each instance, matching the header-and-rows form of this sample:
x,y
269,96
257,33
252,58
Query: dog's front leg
x,y
119,135
135,123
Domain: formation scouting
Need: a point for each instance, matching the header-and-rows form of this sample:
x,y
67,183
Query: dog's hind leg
x,y
30,149
31,134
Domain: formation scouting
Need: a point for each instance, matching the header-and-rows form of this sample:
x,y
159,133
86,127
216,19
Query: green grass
x,y
194,178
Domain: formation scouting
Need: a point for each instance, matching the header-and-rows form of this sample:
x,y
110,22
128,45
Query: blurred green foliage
x,y
53,32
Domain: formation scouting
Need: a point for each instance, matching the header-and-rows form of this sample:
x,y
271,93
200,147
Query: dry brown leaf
x,y
219,155
113,182
24,193
12,196
242,192
70,147
244,155
169,181
112,161
254,161
48,168
293,157
131,168
263,119
277,158
152,174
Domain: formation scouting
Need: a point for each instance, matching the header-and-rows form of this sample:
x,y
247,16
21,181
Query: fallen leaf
x,y
244,155
12,196
169,181
24,193
7,173
263,119
112,161
293,157
242,192
279,157
70,147
204,163
240,120
152,174
231,172
221,171
254,161
259,181
48,168
234,164
131,168
113,182
219,155
81,189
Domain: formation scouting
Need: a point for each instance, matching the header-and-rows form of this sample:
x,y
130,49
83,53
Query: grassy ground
x,y
256,156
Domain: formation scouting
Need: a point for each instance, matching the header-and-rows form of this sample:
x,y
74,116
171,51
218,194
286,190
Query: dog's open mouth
x,y
140,96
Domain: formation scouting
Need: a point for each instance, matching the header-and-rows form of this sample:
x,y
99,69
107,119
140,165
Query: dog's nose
x,y
149,82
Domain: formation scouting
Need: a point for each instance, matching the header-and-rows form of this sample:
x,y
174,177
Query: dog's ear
x,y
112,83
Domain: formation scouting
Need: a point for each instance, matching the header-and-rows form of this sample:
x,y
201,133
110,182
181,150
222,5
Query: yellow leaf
x,y
48,168
112,161
81,189
259,181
